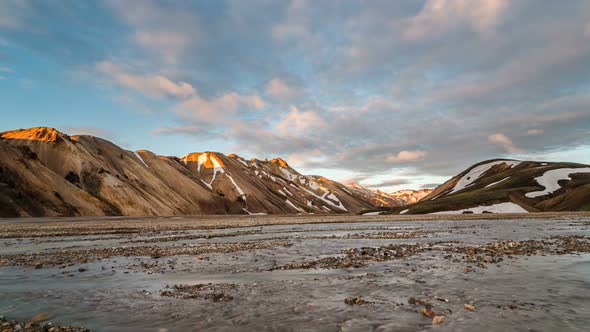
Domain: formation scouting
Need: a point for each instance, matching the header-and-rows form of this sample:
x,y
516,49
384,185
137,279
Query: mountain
x,y
509,186
44,172
378,198
406,196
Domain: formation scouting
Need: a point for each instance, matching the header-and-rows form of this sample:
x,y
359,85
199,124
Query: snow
x,y
288,174
372,213
282,192
329,195
140,159
495,183
207,184
404,211
346,190
476,172
201,160
313,185
437,196
240,191
293,205
550,179
243,162
507,207
255,213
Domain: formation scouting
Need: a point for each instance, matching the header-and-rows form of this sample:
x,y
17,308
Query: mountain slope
x,y
44,172
502,185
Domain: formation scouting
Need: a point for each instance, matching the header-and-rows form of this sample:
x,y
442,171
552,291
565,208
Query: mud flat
x,y
329,273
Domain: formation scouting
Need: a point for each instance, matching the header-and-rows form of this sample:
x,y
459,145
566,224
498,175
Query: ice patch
x,y
507,207
404,211
550,179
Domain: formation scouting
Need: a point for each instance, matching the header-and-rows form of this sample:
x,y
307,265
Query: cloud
x,y
405,156
6,69
11,13
389,183
535,132
218,109
440,16
167,31
298,122
295,26
281,91
155,86
504,141
354,179
89,130
429,185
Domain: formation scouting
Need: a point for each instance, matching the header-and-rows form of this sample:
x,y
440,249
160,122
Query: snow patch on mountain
x,y
495,183
140,159
507,207
293,205
550,180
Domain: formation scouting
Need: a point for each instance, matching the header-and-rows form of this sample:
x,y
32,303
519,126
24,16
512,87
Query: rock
x,y
42,316
429,313
354,300
81,269
468,307
512,306
438,320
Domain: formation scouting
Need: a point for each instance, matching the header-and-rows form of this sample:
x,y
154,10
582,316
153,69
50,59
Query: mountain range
x,y
44,172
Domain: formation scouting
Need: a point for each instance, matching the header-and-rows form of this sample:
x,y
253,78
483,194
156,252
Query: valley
x,y
318,272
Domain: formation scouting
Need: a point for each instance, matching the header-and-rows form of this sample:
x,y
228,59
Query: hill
x,y
509,186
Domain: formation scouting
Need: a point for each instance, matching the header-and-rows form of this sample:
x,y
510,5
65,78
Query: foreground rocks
x,y
35,326
491,253
212,292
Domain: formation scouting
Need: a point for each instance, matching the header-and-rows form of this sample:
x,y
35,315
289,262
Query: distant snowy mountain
x,y
44,172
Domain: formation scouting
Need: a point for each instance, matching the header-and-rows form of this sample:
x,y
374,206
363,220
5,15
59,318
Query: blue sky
x,y
392,94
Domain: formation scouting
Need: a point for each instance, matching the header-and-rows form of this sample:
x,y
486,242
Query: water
x,y
551,292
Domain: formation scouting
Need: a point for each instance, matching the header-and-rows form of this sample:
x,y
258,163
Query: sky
x,y
390,94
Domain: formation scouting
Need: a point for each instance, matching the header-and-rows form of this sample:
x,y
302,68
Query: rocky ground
x,y
333,273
